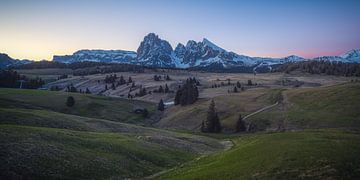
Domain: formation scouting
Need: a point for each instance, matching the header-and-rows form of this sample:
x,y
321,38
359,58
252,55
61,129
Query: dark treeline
x,y
109,69
42,65
322,67
85,67
11,79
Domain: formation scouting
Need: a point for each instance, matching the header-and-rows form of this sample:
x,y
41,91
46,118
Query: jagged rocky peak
x,y
153,44
154,51
180,50
352,55
208,43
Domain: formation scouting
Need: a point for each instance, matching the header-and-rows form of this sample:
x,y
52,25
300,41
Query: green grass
x,y
228,107
48,75
34,152
335,106
321,107
42,138
115,109
320,154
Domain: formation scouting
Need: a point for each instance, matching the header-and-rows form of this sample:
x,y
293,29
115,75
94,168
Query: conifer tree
x,y
166,88
87,91
212,122
238,85
161,105
240,124
70,101
235,89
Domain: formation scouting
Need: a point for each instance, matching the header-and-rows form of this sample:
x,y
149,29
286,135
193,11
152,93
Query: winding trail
x,y
260,110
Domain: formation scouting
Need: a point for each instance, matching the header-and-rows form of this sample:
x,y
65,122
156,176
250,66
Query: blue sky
x,y
38,29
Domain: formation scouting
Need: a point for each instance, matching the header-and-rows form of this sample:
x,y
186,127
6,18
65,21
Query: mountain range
x,y
156,52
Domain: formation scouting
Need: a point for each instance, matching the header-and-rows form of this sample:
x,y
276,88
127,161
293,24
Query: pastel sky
x,y
38,29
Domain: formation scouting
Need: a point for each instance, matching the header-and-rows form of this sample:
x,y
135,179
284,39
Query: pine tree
x,y
166,88
130,80
250,83
240,125
235,89
238,85
87,91
212,122
168,78
113,86
106,88
161,89
70,101
177,97
132,84
161,105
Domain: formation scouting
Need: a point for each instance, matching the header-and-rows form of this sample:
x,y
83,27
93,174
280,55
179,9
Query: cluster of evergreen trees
x,y
11,79
187,93
110,79
72,88
158,77
142,92
322,67
88,68
163,90
212,123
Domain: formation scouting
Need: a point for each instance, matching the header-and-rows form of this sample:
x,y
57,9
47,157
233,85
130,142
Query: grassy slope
x,y
228,106
38,139
301,155
48,75
114,109
34,152
323,107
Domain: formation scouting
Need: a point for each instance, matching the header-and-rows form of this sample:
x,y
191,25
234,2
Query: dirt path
x,y
260,110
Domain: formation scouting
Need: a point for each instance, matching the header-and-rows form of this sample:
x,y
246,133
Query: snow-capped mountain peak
x,y
208,43
353,55
156,52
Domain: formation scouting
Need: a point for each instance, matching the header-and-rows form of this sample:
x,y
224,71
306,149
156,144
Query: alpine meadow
x,y
179,89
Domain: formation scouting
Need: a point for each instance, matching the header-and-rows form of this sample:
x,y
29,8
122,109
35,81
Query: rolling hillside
x,y
334,106
321,154
114,109
41,138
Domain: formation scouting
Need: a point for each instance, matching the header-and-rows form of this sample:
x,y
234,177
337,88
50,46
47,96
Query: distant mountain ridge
x,y
7,61
156,52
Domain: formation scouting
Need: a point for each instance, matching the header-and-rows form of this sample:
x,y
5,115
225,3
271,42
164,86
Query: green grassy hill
x,y
115,109
228,107
42,138
322,107
334,106
321,154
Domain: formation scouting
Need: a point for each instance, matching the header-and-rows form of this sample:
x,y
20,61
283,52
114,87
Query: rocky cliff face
x,y
155,52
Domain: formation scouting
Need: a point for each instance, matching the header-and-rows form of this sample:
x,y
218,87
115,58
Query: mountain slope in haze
x,y
6,61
